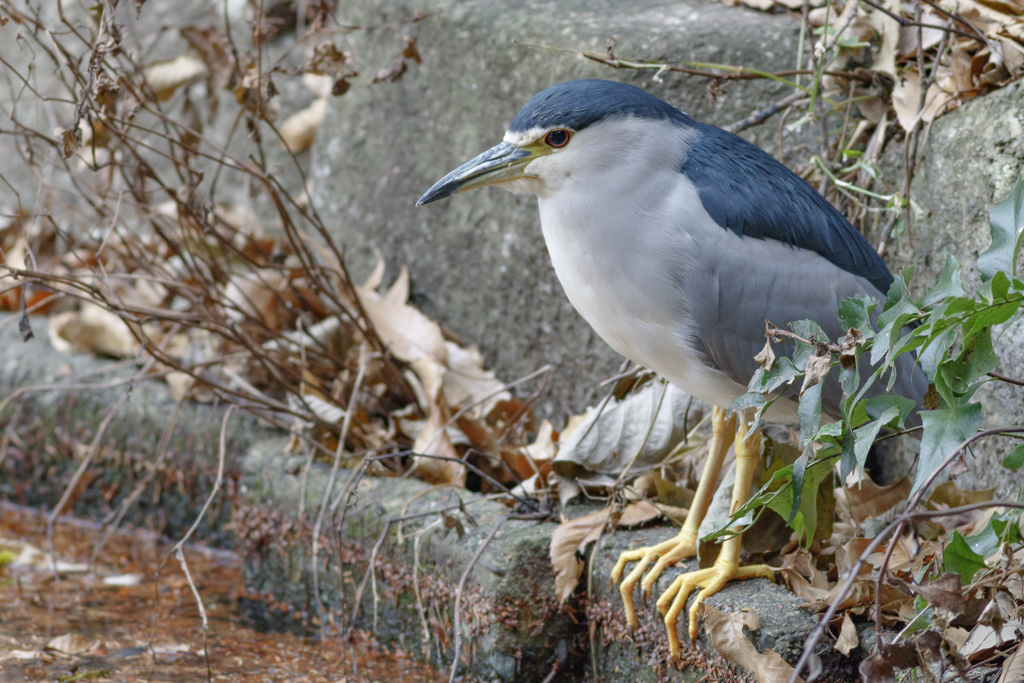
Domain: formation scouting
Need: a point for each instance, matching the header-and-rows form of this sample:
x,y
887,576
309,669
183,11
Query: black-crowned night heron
x,y
676,241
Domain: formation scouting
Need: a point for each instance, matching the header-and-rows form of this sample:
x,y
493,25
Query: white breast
x,y
619,281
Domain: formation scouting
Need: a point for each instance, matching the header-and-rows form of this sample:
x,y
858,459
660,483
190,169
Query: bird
x,y
676,241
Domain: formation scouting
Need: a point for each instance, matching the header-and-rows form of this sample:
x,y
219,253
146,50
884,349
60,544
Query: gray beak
x,y
500,163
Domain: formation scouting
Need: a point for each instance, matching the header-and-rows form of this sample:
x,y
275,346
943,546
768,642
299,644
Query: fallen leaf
x,y
802,577
949,495
466,382
607,439
985,640
298,130
866,499
728,640
847,639
1013,667
215,50
906,96
944,594
434,441
93,329
406,332
636,513
164,77
570,539
72,644
567,538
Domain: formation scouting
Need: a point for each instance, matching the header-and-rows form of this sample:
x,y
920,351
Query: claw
x,y
677,548
711,580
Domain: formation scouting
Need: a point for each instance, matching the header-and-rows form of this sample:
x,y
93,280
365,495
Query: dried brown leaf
x,y
215,50
985,640
466,382
906,96
70,140
93,329
726,632
406,332
565,541
818,365
944,594
164,77
867,499
570,539
853,340
72,644
392,74
410,50
766,358
434,441
802,577
949,495
1013,667
608,439
299,130
847,639
636,513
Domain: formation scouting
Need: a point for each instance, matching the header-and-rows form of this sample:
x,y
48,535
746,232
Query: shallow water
x,y
152,630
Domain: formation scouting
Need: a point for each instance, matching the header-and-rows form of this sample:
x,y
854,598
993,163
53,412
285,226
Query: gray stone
x,y
478,261
528,632
49,425
972,159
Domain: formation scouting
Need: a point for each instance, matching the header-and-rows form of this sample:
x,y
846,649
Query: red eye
x,y
557,138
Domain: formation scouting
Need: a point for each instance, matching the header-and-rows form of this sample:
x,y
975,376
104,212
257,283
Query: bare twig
x,y
202,610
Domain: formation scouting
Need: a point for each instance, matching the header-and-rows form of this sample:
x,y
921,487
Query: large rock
x,y
972,159
63,398
513,626
478,261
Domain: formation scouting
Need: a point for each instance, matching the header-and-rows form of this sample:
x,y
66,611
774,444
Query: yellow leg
x,y
727,566
685,544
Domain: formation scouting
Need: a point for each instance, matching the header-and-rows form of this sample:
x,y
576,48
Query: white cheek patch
x,y
525,138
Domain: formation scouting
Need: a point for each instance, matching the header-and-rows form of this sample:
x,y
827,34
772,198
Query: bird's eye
x,y
557,138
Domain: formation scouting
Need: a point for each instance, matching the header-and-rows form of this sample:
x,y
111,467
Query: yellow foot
x,y
667,553
711,580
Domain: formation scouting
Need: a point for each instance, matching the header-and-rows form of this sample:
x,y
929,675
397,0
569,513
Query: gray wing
x,y
739,282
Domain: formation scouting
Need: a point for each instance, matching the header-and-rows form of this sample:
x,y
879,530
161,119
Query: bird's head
x,y
566,130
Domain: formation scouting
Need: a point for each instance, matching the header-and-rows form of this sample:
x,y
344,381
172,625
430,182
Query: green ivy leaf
x,y
832,431
1015,459
809,413
948,284
960,559
877,406
1001,528
935,353
782,372
856,311
865,436
975,360
1006,226
994,315
944,430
